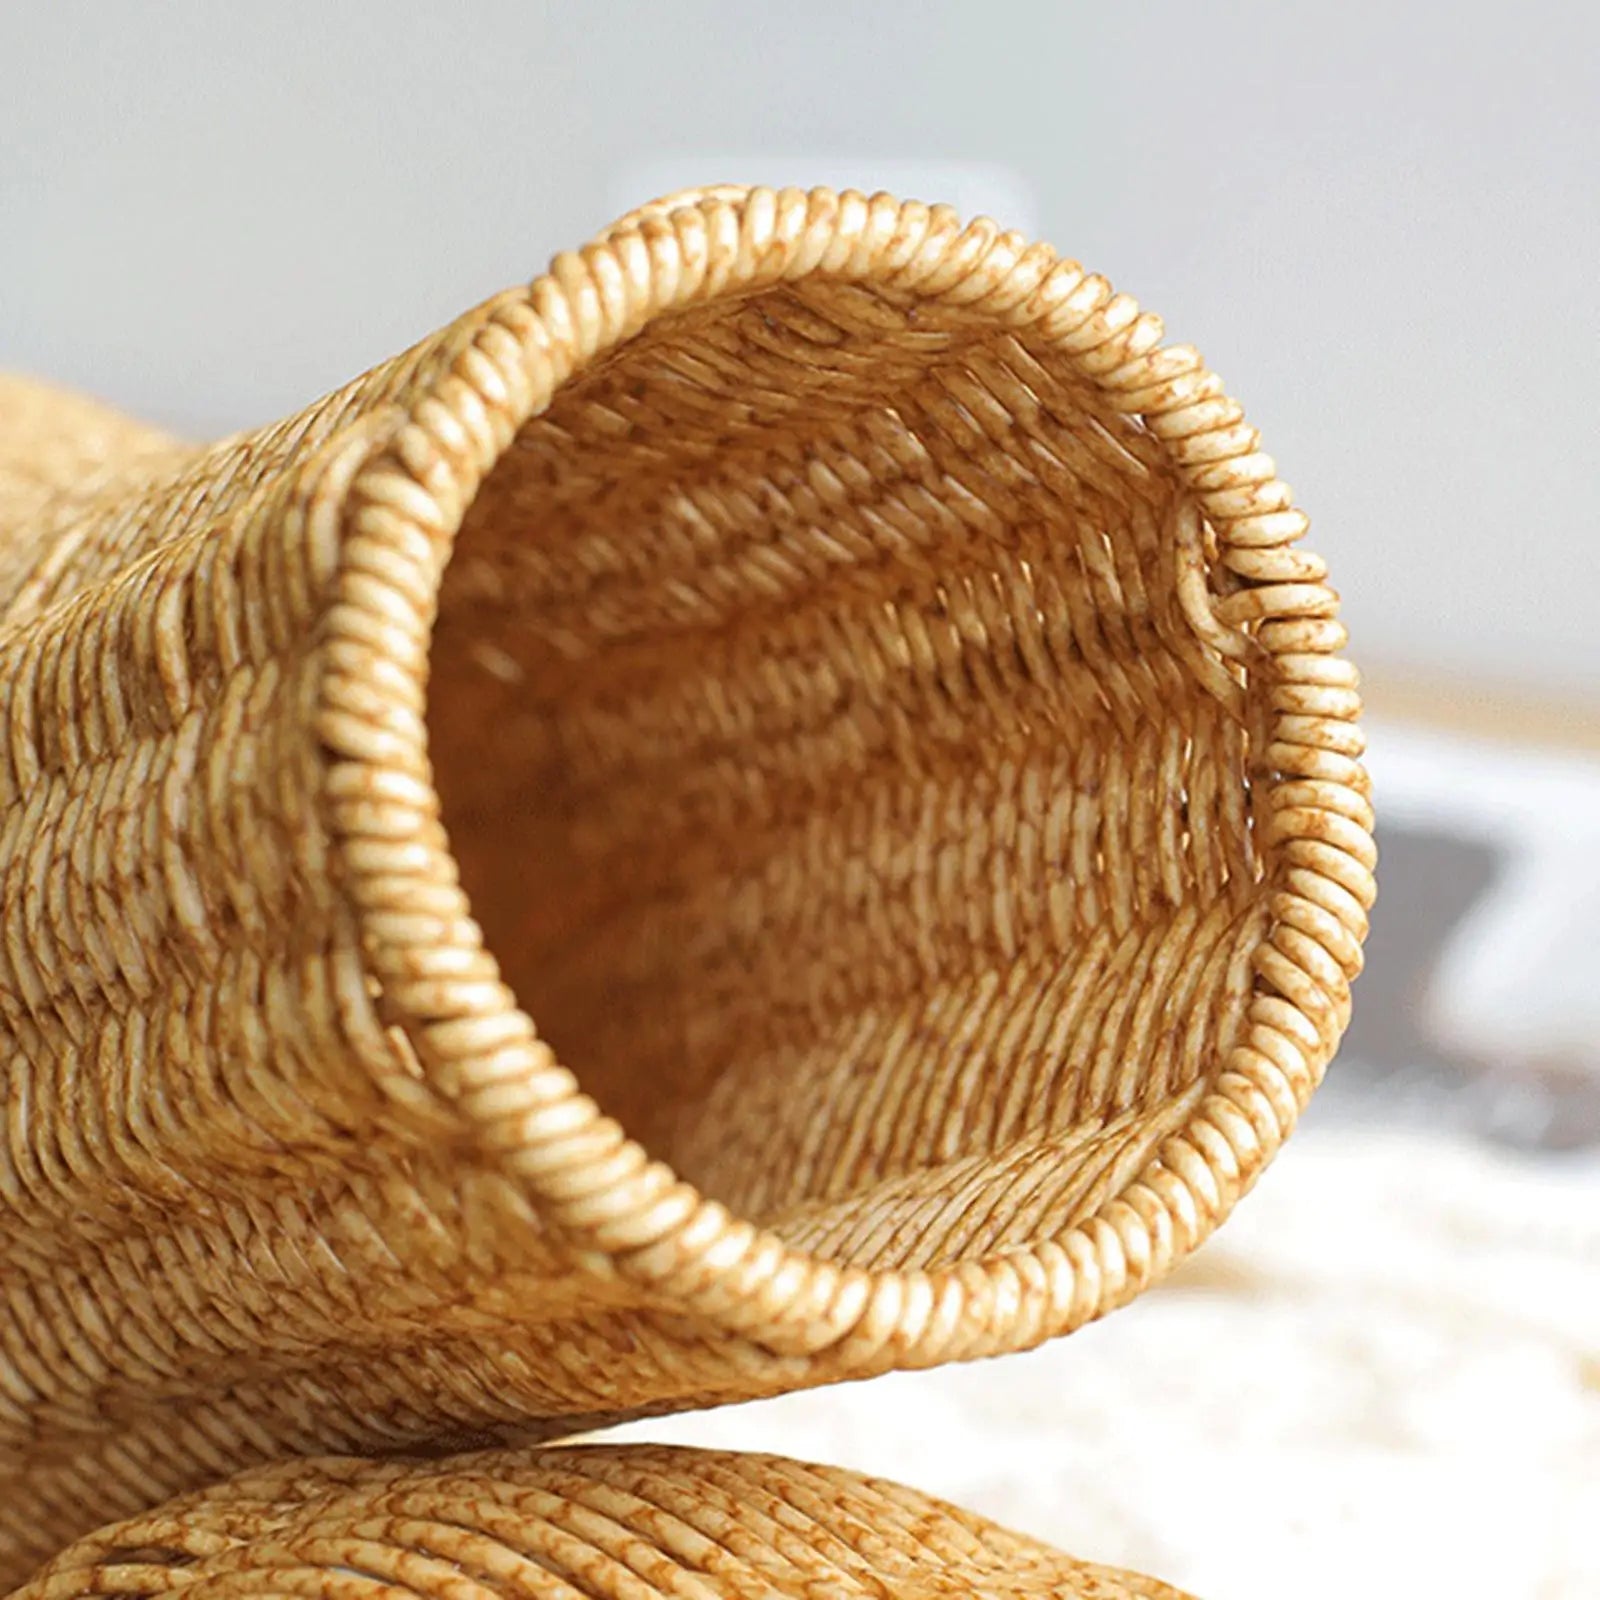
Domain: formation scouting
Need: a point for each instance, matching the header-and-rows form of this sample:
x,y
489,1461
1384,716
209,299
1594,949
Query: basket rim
x,y
624,1214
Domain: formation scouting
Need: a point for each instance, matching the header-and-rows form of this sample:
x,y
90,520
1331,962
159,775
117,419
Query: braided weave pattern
x,y
888,736
605,1524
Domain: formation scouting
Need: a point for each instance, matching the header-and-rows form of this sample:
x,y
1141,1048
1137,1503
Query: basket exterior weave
x,y
889,739
613,1523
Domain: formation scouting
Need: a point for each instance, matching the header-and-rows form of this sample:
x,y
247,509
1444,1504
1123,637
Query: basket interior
x,y
835,776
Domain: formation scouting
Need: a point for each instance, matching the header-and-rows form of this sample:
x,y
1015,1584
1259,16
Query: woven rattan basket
x,y
631,1523
826,665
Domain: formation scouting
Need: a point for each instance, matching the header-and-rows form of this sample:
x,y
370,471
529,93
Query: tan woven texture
x,y
580,1524
827,665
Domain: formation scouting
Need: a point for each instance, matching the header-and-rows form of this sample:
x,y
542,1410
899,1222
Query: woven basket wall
x,y
779,804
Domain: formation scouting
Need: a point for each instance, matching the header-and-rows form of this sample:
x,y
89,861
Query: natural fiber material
x,y
605,1524
832,669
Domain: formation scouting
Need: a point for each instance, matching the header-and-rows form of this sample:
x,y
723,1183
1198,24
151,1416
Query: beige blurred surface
x,y
1382,1378
1566,719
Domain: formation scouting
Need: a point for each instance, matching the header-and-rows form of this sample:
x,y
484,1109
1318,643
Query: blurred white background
x,y
1382,224
1380,221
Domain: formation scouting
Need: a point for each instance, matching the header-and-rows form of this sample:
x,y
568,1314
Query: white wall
x,y
1381,223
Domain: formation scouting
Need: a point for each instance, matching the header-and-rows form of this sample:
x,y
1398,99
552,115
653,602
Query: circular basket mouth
x,y
890,741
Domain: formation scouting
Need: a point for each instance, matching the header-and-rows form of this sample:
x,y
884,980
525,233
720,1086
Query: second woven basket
x,y
594,1523
826,664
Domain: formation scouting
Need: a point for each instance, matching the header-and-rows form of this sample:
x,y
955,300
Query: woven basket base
x,y
614,1523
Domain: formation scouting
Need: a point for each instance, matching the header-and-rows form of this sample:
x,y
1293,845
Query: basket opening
x,y
829,765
